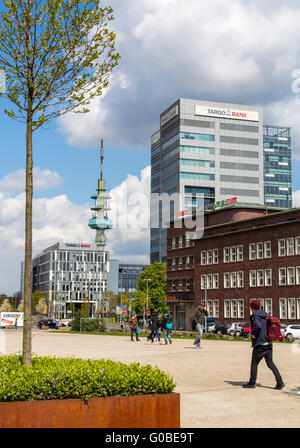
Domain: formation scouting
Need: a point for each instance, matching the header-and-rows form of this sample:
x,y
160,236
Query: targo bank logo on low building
x,y
227,113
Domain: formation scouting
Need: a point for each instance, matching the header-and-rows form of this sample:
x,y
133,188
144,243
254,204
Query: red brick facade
x,y
237,230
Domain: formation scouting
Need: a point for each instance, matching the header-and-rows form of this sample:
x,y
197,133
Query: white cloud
x,y
212,50
42,180
296,198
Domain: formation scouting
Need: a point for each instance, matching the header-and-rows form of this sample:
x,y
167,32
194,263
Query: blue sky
x,y
216,50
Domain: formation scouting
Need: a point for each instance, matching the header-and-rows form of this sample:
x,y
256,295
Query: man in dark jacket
x,y
262,348
154,326
199,318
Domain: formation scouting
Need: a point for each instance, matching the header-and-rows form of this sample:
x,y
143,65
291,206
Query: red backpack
x,y
273,328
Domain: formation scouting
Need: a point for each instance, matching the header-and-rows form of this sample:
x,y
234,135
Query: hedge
x,y
51,378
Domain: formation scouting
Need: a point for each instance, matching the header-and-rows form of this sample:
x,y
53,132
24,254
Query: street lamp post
x,y
147,280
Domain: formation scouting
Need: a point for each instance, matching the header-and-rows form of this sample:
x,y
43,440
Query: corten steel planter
x,y
138,411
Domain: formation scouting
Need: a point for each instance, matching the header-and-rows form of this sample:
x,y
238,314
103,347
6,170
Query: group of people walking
x,y
156,325
261,342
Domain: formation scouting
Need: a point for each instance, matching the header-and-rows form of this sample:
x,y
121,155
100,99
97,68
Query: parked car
x,y
292,332
235,328
211,328
210,322
51,323
246,332
221,328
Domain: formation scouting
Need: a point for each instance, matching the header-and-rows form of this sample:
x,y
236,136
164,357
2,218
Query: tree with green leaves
x,y
6,306
57,56
36,297
155,276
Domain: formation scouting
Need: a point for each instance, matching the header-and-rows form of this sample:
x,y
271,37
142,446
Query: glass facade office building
x,y
69,273
212,150
277,166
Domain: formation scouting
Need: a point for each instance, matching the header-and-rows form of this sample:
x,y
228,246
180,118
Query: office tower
x,y
209,149
278,166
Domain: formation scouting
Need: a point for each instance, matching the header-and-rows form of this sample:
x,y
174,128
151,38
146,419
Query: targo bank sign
x,y
227,113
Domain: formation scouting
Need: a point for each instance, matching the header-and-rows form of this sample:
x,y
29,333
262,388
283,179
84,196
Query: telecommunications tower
x,y
100,222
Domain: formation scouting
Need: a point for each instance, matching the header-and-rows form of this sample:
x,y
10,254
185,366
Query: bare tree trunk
x,y
28,246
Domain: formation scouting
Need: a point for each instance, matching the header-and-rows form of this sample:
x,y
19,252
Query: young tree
x,y
57,56
36,297
6,306
41,307
156,273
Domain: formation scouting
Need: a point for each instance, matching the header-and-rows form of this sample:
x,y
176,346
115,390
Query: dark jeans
x,y
134,330
260,352
155,333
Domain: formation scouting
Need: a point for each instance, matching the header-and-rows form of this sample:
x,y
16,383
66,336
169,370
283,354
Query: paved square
x,y
209,380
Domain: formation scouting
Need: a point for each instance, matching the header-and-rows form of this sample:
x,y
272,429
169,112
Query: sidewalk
x,y
209,380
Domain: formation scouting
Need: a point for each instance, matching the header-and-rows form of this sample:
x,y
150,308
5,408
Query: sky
x,y
200,49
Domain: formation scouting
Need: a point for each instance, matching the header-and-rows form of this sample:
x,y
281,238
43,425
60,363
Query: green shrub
x,y
87,324
51,378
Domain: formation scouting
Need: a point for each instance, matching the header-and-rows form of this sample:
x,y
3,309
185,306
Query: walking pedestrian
x,y
154,326
166,325
199,318
133,324
262,348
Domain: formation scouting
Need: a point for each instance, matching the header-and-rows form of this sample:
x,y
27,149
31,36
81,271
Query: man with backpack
x,y
166,326
262,344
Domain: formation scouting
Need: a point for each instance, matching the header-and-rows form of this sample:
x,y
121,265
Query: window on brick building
x,y
282,276
227,309
232,279
209,281
291,309
180,263
187,284
173,243
216,309
240,254
180,242
252,251
203,258
240,308
267,247
215,281
173,264
226,280
234,313
260,277
203,281
282,309
216,256
240,279
187,262
268,306
173,285
268,277
179,285
226,255
210,307
298,275
209,257
297,245
290,246
260,251
233,254
252,278
281,248
290,273
298,308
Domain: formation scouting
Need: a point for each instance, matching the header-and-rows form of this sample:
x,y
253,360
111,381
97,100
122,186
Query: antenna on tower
x,y
101,159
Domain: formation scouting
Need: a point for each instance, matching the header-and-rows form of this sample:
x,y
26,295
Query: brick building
x,y
246,252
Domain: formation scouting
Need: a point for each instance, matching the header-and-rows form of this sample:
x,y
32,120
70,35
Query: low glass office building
x,y
70,273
